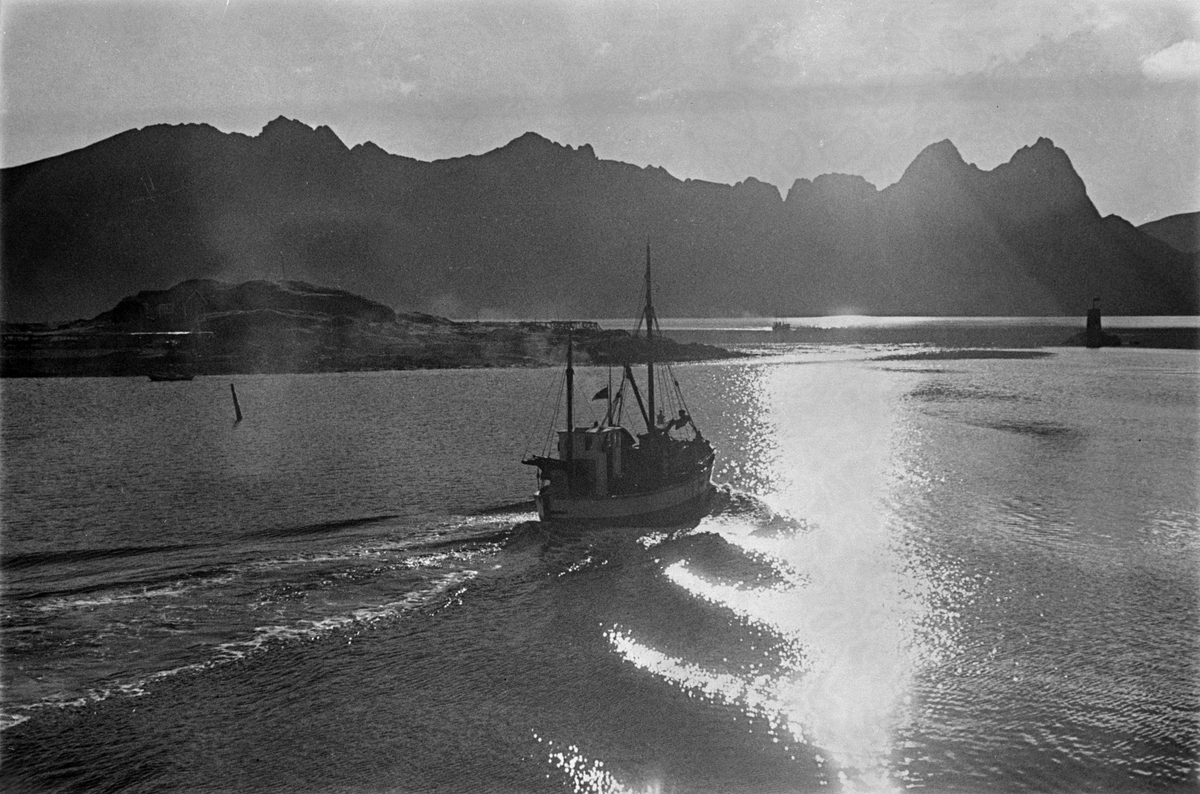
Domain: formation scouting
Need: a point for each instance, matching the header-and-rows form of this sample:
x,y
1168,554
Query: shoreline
x,y
282,343
39,359
948,336
206,327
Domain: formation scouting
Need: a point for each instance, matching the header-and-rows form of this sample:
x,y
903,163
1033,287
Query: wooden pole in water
x,y
237,409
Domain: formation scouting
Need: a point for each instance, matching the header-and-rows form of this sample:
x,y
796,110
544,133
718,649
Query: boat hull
x,y
673,504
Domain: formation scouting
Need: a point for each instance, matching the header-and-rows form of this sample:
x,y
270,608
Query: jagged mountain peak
x,y
840,188
531,143
754,186
371,149
282,131
935,160
1042,175
1042,147
282,125
1042,157
844,183
186,135
190,127
371,152
944,148
531,138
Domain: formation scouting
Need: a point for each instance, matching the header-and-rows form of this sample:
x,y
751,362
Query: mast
x,y
650,322
570,456
570,389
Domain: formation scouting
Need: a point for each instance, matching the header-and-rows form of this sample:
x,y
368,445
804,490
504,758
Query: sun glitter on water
x,y
848,616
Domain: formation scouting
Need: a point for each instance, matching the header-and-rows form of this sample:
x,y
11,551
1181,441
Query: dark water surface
x,y
955,574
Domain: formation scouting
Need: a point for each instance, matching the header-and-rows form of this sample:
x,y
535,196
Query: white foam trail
x,y
313,629
374,551
130,596
11,720
239,649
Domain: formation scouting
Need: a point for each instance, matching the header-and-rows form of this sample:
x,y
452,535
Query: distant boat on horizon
x,y
607,473
162,377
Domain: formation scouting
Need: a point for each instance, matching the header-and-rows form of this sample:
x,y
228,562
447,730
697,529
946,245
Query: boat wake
x,y
173,610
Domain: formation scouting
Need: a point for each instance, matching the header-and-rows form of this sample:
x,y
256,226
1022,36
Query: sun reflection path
x,y
865,618
853,617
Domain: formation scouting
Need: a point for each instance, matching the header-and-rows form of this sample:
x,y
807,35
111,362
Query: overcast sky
x,y
717,89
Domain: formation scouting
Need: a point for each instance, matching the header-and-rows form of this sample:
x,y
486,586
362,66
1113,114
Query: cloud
x,y
1180,61
864,41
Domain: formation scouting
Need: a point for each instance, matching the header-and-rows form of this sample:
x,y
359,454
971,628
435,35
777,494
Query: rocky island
x,y
207,327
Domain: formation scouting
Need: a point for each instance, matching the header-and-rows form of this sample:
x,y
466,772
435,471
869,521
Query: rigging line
x,y
536,434
637,329
617,404
608,398
623,391
678,391
675,395
548,442
540,415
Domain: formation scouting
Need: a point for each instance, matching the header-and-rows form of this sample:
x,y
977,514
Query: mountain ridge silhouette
x,y
541,229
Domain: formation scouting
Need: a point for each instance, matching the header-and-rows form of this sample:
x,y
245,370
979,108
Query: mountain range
x,y
536,229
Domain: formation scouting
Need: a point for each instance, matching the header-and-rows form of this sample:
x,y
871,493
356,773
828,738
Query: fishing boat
x,y
166,377
611,474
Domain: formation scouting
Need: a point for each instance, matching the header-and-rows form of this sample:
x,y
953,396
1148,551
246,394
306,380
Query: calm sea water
x,y
955,574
